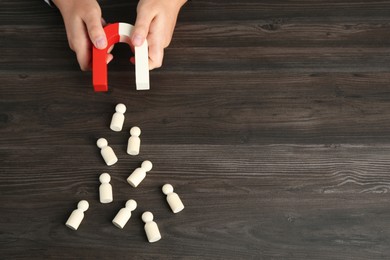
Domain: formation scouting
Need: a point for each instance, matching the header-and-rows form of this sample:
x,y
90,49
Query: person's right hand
x,y
156,20
84,27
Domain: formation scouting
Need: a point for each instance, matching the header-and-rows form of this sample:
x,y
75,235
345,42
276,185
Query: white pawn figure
x,y
151,228
124,214
173,199
105,188
134,141
139,174
107,152
118,118
77,215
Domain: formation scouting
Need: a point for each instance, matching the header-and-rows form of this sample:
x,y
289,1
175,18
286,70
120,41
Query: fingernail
x,y
137,40
101,43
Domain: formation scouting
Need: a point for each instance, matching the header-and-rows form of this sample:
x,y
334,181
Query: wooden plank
x,y
270,119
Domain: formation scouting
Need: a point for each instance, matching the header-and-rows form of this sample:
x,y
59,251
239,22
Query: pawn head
x,y
83,205
147,165
147,216
131,205
167,188
135,131
120,108
102,142
105,178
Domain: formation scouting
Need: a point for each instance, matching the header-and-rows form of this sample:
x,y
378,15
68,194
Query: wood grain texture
x,y
270,119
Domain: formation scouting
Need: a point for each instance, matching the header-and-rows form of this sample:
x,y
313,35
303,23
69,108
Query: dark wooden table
x,y
270,118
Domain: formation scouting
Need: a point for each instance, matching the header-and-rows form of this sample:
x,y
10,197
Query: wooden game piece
x,y
107,152
151,228
173,199
124,214
118,118
105,188
77,215
139,174
134,142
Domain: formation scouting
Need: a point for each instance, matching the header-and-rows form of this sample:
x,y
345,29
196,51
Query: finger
x,y
83,54
156,62
95,29
132,60
104,23
111,48
156,55
141,28
79,42
156,44
109,58
155,52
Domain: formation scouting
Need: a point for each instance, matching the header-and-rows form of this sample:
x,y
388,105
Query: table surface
x,y
271,119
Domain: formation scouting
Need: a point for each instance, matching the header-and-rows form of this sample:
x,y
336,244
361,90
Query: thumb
x,y
141,29
96,31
